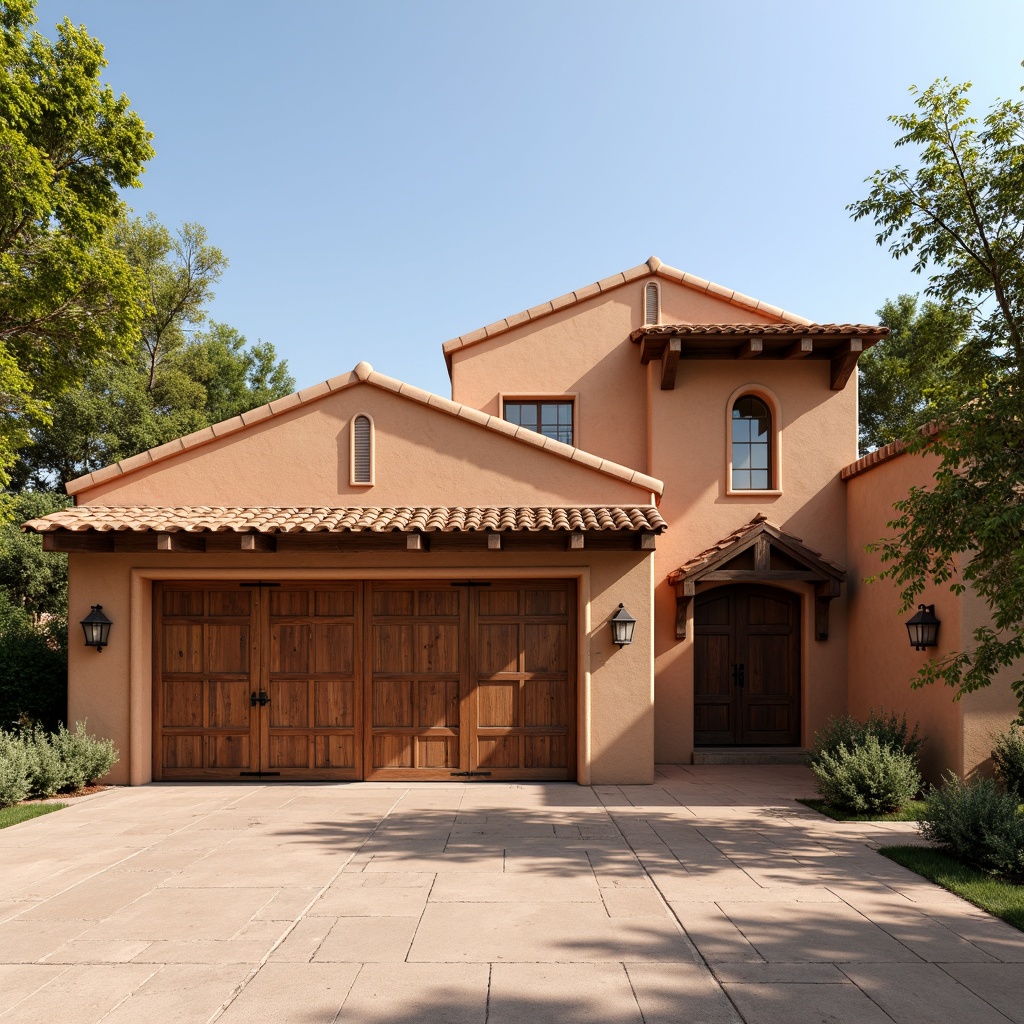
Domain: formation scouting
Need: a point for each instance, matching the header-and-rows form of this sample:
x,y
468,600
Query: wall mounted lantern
x,y
622,627
97,628
923,628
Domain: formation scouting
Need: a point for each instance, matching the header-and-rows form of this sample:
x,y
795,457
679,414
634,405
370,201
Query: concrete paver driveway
x,y
709,897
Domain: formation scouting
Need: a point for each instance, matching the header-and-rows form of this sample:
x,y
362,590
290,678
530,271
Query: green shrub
x,y
977,823
46,774
867,778
891,731
33,668
85,758
1008,757
14,763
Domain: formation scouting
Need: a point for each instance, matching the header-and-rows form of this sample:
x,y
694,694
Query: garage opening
x,y
428,680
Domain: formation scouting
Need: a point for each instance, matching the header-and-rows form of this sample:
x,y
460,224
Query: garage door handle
x,y
262,699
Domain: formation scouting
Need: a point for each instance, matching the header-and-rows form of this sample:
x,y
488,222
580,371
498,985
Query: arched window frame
x,y
657,293
352,451
775,441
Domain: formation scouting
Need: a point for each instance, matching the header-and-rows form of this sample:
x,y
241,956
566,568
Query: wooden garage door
x,y
376,680
471,680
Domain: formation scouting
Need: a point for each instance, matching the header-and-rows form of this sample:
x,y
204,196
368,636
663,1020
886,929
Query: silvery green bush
x,y
978,823
36,764
1008,758
867,777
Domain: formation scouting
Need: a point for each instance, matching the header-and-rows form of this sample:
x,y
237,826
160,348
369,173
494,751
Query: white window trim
x,y
775,455
353,482
545,396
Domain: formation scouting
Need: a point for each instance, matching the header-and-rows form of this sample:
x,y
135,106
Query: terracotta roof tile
x,y
805,330
883,454
207,519
737,535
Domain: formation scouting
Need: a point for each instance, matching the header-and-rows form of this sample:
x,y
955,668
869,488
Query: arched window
x,y
751,444
362,450
652,304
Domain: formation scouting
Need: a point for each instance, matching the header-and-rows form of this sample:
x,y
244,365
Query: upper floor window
x,y
751,445
652,303
551,418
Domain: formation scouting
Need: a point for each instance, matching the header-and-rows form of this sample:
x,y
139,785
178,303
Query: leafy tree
x,y
31,579
68,295
960,216
897,372
234,377
179,271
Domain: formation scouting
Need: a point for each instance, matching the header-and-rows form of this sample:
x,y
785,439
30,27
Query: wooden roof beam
x,y
751,348
670,363
258,542
800,349
844,362
180,542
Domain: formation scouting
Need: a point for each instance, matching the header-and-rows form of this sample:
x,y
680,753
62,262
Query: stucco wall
x,y
882,664
423,456
113,689
584,350
689,451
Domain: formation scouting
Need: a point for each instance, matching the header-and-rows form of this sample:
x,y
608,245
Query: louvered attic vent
x,y
651,310
362,450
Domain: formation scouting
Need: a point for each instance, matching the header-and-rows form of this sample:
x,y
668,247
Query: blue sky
x,y
385,176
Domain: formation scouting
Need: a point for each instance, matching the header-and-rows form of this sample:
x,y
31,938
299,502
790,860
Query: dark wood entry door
x,y
747,667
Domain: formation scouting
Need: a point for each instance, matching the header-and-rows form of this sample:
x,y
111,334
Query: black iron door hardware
x,y
738,672
262,699
467,774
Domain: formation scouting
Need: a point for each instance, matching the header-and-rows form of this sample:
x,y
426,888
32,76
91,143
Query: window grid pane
x,y
552,419
751,454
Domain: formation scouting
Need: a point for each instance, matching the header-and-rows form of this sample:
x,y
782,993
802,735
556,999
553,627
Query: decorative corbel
x,y
685,591
823,594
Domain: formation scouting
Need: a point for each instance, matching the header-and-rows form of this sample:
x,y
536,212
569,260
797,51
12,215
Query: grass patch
x,y
22,812
996,895
913,811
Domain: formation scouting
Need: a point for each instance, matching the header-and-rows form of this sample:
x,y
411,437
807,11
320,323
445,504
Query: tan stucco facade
x,y
643,432
960,733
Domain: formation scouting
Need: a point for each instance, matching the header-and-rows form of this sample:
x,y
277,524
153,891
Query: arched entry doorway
x,y
746,666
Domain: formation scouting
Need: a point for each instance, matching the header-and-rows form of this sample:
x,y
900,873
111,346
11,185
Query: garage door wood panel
x,y
205,648
312,717
414,679
376,680
523,692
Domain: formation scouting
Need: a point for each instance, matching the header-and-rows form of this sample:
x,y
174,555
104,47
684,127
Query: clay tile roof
x,y
806,330
759,524
203,519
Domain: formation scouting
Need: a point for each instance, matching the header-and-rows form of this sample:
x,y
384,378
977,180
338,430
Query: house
x,y
367,581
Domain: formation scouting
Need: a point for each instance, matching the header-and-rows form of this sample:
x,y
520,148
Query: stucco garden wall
x,y
882,663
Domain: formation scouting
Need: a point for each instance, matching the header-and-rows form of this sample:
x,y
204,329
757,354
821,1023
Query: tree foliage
x,y
897,374
960,216
68,295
